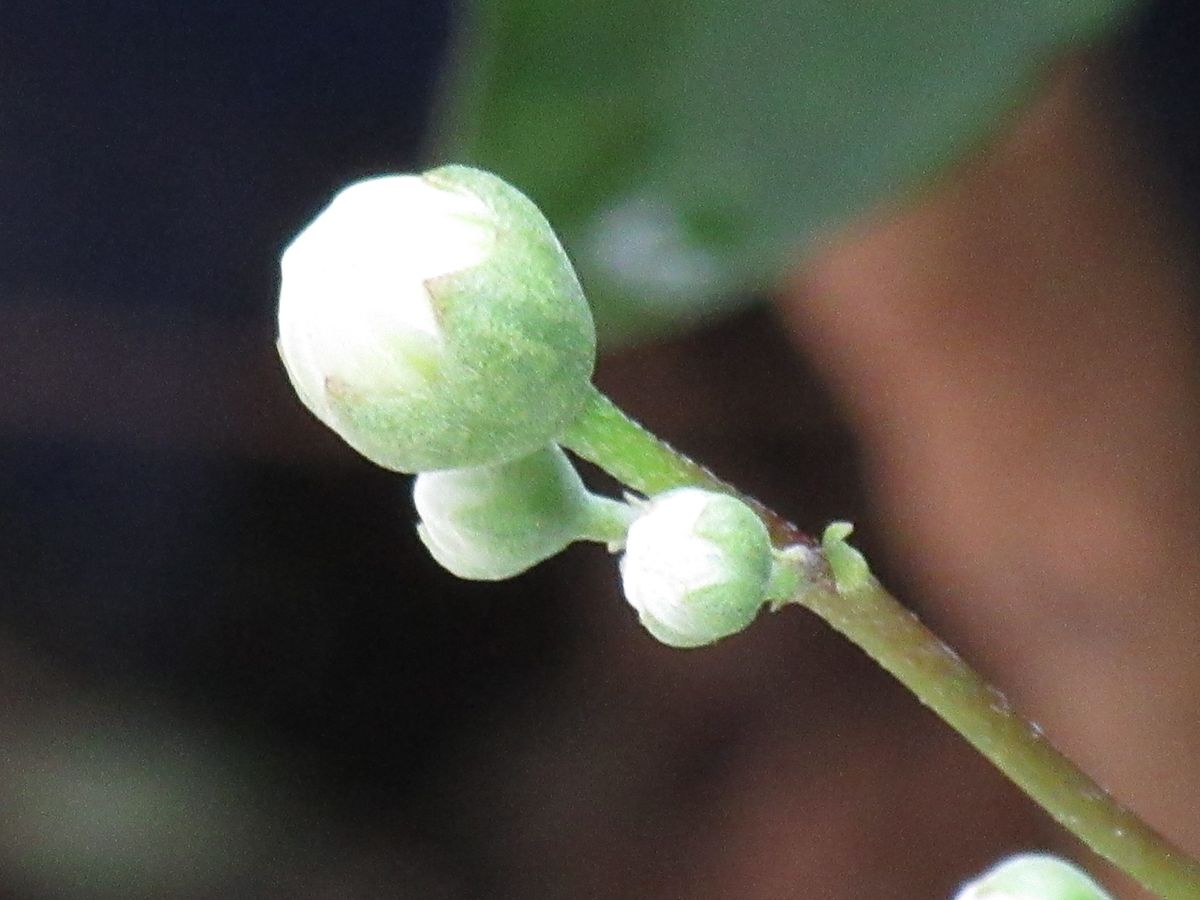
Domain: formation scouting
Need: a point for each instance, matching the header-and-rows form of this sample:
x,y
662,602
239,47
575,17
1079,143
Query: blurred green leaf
x,y
685,149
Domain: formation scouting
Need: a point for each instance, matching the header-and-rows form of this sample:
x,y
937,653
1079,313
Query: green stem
x,y
870,617
892,636
605,436
606,521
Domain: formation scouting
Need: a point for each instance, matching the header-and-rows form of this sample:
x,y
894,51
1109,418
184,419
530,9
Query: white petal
x,y
353,299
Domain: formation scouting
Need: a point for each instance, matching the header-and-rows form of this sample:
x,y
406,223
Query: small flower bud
x,y
1032,876
435,322
696,566
488,523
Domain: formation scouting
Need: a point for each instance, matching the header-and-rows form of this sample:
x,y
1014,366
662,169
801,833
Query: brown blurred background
x,y
227,669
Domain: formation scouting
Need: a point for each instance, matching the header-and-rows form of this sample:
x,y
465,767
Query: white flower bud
x,y
696,566
492,522
434,322
1032,876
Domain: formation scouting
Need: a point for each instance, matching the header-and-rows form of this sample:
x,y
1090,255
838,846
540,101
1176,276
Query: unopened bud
x,y
435,322
696,566
1033,876
488,523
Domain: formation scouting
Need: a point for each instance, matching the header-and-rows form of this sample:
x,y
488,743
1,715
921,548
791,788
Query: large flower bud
x,y
435,322
492,522
696,567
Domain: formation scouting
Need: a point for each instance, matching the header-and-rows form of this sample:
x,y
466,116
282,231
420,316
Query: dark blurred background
x,y
227,668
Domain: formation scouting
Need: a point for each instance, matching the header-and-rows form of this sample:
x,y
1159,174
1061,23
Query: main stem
x,y
891,635
634,456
